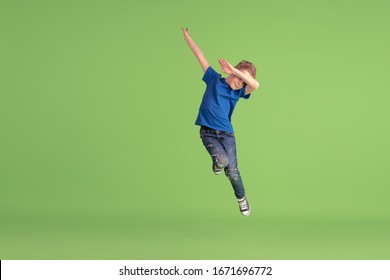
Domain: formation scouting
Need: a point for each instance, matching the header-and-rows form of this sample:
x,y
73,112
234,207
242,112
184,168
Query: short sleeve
x,y
209,75
242,93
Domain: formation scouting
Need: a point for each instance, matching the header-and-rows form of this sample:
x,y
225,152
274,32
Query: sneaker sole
x,y
216,172
246,215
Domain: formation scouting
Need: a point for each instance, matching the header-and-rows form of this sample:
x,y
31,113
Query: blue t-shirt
x,y
218,102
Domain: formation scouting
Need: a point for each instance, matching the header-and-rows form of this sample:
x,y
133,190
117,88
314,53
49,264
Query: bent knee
x,y
221,161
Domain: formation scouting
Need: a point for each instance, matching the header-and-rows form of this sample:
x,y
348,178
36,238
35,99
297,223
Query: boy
x,y
215,113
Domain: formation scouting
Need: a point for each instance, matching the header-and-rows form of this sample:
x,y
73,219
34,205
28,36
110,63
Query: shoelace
x,y
244,204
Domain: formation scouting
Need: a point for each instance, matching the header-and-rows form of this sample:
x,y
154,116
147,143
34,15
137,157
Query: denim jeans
x,y
222,148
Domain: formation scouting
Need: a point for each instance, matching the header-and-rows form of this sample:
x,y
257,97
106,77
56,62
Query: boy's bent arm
x,y
251,82
196,50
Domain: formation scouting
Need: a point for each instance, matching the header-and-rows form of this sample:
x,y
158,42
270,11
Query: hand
x,y
186,34
226,67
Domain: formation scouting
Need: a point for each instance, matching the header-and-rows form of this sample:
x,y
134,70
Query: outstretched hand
x,y
185,32
226,67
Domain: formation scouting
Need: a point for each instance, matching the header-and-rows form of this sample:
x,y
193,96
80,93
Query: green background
x,y
100,157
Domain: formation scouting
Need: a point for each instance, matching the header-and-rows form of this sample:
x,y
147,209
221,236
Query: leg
x,y
214,148
231,170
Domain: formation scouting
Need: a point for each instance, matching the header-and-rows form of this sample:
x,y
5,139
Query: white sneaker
x,y
245,208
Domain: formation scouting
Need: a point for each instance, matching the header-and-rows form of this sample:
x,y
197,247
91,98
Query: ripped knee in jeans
x,y
221,161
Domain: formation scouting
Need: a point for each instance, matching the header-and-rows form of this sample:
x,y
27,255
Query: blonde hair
x,y
248,66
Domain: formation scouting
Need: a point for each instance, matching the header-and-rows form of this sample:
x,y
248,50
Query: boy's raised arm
x,y
196,50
